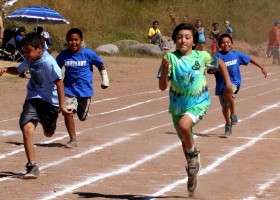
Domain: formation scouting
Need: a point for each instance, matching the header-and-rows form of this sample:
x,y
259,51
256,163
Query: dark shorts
x,y
38,110
79,105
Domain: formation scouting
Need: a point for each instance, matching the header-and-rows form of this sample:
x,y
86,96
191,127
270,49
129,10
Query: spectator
x,y
201,35
228,28
156,38
214,36
273,43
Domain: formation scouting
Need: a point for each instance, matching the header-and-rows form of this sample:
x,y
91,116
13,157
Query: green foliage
x,y
106,21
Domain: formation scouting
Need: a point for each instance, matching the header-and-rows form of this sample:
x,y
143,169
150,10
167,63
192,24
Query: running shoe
x,y
32,171
193,169
234,119
71,144
228,130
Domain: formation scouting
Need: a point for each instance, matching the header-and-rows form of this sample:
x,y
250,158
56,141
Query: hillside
x,y
106,21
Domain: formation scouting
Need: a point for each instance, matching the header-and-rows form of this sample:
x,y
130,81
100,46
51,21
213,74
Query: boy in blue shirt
x,y
233,59
78,62
44,99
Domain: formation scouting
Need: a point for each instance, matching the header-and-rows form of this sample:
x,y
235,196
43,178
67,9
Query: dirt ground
x,y
128,148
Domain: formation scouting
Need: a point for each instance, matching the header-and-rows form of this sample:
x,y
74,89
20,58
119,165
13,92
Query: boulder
x,y
107,49
148,49
122,44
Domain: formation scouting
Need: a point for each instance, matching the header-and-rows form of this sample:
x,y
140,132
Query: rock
x,y
122,44
149,49
107,49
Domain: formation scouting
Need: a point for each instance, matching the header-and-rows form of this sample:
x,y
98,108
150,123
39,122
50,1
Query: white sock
x,y
190,150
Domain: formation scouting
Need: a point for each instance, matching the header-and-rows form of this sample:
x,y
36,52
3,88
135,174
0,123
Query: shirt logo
x,y
231,62
196,66
75,63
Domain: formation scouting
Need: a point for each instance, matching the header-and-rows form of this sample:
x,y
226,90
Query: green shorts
x,y
196,113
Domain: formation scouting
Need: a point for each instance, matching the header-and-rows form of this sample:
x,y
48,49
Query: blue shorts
x,y
38,110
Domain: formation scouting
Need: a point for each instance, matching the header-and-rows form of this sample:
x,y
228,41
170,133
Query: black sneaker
x,y
32,171
193,169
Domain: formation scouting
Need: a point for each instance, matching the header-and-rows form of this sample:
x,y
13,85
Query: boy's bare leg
x,y
28,130
226,113
191,153
32,170
70,126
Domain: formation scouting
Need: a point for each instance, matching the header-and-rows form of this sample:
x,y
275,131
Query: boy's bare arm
x,y
163,82
61,97
228,92
9,70
261,67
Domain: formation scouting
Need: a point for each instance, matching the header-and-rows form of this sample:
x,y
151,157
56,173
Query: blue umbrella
x,y
37,15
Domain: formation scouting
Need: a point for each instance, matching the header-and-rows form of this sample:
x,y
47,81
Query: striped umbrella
x,y
37,15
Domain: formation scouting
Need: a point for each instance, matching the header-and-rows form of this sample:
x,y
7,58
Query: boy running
x,y
79,62
45,96
189,97
233,60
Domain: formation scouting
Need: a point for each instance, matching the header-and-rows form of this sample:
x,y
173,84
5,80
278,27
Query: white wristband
x,y
104,77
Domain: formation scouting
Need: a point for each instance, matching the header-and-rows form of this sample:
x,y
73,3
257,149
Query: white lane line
x,y
68,189
115,172
78,133
9,132
129,95
215,164
263,187
95,148
141,93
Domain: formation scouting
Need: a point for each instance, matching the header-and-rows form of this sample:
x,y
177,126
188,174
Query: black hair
x,y
215,23
20,29
38,30
155,22
33,40
224,36
184,26
74,31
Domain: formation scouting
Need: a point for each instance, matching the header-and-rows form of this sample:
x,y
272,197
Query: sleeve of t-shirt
x,y
96,60
23,67
54,71
244,59
211,60
59,60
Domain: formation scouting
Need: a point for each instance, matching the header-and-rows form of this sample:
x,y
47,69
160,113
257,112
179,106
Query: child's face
x,y
32,54
74,43
226,44
199,23
184,42
215,27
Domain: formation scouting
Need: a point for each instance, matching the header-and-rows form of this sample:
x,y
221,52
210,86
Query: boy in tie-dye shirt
x,y
185,69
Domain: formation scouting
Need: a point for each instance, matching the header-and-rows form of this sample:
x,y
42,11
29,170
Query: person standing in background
x,y
273,43
228,28
214,36
201,35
